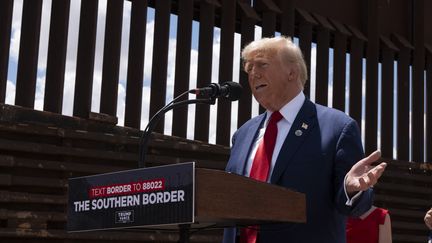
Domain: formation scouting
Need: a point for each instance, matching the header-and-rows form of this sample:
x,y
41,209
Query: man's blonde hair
x,y
288,52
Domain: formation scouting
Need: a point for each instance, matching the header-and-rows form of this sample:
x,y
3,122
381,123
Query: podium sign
x,y
152,196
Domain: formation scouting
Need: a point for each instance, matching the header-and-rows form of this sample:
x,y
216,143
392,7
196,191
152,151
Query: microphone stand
x,y
156,118
184,228
229,90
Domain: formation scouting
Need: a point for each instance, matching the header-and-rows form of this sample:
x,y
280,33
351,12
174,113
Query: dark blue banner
x,y
152,196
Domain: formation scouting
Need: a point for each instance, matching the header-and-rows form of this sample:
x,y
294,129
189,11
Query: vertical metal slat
x,y
418,83
403,97
134,85
228,20
248,20
181,79
388,51
85,58
28,53
356,68
322,62
111,57
339,66
429,106
287,17
6,8
205,53
372,54
269,11
322,65
56,60
160,60
305,42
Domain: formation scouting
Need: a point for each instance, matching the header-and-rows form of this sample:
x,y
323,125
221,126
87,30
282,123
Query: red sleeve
x,y
381,215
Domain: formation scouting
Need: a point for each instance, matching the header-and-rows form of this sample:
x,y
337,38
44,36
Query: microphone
x,y
229,90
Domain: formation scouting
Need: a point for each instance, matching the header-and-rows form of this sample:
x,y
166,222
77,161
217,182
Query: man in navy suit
x,y
314,150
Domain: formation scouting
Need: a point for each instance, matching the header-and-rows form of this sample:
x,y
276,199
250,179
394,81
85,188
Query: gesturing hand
x,y
428,219
363,175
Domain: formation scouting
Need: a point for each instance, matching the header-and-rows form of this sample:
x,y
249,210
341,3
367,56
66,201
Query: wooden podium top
x,y
228,199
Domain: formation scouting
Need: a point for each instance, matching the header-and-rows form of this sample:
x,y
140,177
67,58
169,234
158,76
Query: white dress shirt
x,y
289,112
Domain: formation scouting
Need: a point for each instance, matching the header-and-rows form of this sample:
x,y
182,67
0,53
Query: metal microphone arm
x,y
143,144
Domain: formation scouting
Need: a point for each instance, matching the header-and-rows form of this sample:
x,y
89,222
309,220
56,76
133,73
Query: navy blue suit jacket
x,y
315,164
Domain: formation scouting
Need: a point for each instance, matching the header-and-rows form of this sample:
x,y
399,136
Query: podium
x,y
228,200
178,197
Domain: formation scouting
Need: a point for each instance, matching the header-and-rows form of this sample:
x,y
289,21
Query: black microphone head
x,y
234,90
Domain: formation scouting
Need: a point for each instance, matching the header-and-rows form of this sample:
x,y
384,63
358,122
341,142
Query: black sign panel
x,y
152,196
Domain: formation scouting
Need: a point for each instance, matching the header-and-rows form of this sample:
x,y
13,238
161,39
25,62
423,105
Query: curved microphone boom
x,y
229,90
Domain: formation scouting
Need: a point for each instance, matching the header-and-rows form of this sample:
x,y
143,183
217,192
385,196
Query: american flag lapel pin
x,y
304,126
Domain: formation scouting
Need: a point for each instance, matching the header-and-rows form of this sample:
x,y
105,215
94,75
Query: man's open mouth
x,y
260,86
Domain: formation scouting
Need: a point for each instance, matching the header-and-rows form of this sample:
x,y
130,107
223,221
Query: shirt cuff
x,y
352,200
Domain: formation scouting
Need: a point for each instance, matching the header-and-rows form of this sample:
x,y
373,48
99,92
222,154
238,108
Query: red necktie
x,y
261,166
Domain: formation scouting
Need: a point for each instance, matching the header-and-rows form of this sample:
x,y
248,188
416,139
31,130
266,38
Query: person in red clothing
x,y
374,226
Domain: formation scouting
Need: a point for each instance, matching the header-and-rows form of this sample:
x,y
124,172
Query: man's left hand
x,y
428,219
363,175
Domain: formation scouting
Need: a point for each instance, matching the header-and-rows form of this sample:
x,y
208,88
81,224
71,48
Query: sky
x,y
71,66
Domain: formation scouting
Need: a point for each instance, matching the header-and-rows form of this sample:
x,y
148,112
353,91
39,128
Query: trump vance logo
x,y
122,217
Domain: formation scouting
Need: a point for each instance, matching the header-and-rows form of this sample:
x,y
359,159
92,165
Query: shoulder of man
x,y
336,116
252,121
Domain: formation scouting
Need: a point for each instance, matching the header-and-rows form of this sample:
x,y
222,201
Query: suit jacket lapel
x,y
247,144
303,124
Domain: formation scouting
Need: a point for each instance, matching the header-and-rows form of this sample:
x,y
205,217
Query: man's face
x,y
273,83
